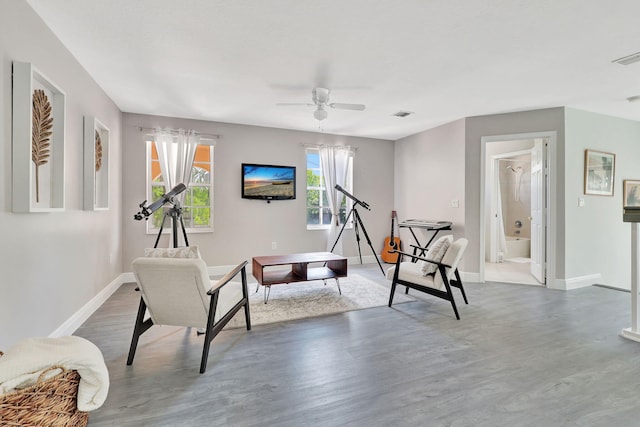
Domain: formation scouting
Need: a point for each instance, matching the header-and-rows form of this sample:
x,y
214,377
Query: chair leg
x,y
455,309
448,292
140,328
245,294
395,280
393,291
208,334
459,285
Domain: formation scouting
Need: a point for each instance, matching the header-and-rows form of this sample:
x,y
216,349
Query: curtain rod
x,y
206,135
327,145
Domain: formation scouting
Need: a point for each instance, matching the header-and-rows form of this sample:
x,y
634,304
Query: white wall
x,y
246,228
598,242
429,174
53,263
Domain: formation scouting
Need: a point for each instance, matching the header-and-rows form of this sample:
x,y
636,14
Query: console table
x,y
335,266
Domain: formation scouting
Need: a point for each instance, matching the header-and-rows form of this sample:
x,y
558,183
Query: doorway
x,y
516,221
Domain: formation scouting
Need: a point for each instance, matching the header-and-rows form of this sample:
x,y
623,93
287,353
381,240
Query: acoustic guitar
x,y
391,243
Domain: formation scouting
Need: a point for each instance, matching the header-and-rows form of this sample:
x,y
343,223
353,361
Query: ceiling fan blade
x,y
296,104
356,107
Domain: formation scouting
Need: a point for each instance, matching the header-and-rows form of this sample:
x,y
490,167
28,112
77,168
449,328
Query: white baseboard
x,y
128,277
630,334
577,282
81,316
467,276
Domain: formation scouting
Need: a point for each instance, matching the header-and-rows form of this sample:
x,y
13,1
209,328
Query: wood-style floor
x,y
519,356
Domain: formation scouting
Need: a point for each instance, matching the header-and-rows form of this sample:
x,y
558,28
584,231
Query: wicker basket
x,y
51,402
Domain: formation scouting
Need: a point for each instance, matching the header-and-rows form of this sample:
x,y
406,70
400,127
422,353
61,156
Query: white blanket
x,y
25,361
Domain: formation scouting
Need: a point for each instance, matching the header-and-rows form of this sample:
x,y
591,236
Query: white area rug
x,y
311,299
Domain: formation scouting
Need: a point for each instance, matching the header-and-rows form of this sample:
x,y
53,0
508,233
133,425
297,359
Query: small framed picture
x,y
599,172
631,193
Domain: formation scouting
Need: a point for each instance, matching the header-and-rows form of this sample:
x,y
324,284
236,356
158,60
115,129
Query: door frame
x,y
551,206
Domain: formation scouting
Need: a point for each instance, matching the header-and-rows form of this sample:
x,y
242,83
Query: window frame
x,y
349,187
150,184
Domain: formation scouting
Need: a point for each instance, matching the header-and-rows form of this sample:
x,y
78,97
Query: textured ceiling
x,y
232,61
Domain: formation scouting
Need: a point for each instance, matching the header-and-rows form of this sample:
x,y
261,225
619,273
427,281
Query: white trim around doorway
x,y
551,172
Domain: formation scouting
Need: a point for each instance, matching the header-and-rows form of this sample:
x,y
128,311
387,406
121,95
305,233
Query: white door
x,y
538,214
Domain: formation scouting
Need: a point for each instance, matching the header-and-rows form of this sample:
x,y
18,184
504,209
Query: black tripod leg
x,y
346,221
184,232
174,230
164,218
366,235
357,233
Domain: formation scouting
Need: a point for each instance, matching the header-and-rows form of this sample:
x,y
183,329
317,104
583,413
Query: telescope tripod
x,y
358,222
175,213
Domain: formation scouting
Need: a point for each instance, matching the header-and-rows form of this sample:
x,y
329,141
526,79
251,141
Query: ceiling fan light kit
x,y
320,98
320,114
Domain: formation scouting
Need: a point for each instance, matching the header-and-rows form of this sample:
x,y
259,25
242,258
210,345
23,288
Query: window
x,y
318,212
197,208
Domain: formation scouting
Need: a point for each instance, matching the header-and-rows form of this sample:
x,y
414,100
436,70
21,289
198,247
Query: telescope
x,y
352,197
170,197
357,222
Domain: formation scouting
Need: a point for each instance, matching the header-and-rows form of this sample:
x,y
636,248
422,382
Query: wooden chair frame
x,y
448,284
213,328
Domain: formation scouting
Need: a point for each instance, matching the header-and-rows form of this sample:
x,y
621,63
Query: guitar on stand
x,y
391,243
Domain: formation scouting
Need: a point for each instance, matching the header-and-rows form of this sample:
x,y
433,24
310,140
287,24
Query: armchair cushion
x,y
435,253
412,272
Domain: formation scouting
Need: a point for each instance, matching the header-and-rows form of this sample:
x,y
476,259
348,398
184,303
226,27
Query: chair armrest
x,y
227,278
420,258
419,247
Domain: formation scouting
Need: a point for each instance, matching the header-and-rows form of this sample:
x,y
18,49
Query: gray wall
x,y
597,241
430,173
246,228
53,263
509,124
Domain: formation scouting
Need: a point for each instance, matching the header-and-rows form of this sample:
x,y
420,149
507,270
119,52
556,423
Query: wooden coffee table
x,y
335,266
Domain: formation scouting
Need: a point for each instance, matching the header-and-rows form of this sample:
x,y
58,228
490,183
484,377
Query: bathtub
x,y
518,247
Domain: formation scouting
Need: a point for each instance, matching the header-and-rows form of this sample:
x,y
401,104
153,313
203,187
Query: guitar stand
x,y
357,220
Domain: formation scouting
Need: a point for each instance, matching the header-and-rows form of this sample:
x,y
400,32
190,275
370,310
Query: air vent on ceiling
x,y
629,59
402,113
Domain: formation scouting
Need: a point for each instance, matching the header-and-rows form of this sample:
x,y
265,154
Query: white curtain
x,y
334,161
176,151
502,240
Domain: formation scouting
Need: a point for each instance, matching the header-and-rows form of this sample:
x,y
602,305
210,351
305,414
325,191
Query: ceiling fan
x,y
320,98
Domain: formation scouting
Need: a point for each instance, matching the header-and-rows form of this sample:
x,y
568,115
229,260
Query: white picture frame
x,y
36,188
599,173
96,165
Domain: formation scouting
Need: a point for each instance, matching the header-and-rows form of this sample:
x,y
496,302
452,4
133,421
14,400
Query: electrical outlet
x,y
455,203
274,245
581,202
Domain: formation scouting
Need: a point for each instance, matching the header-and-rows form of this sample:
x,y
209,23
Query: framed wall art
x,y
38,141
599,172
96,164
631,193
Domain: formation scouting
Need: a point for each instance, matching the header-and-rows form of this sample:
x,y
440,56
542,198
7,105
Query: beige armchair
x,y
178,292
439,284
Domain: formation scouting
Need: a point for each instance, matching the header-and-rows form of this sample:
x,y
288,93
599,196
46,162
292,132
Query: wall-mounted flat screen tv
x,y
268,182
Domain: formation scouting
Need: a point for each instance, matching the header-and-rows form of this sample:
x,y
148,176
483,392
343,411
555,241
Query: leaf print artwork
x,y
98,151
40,133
